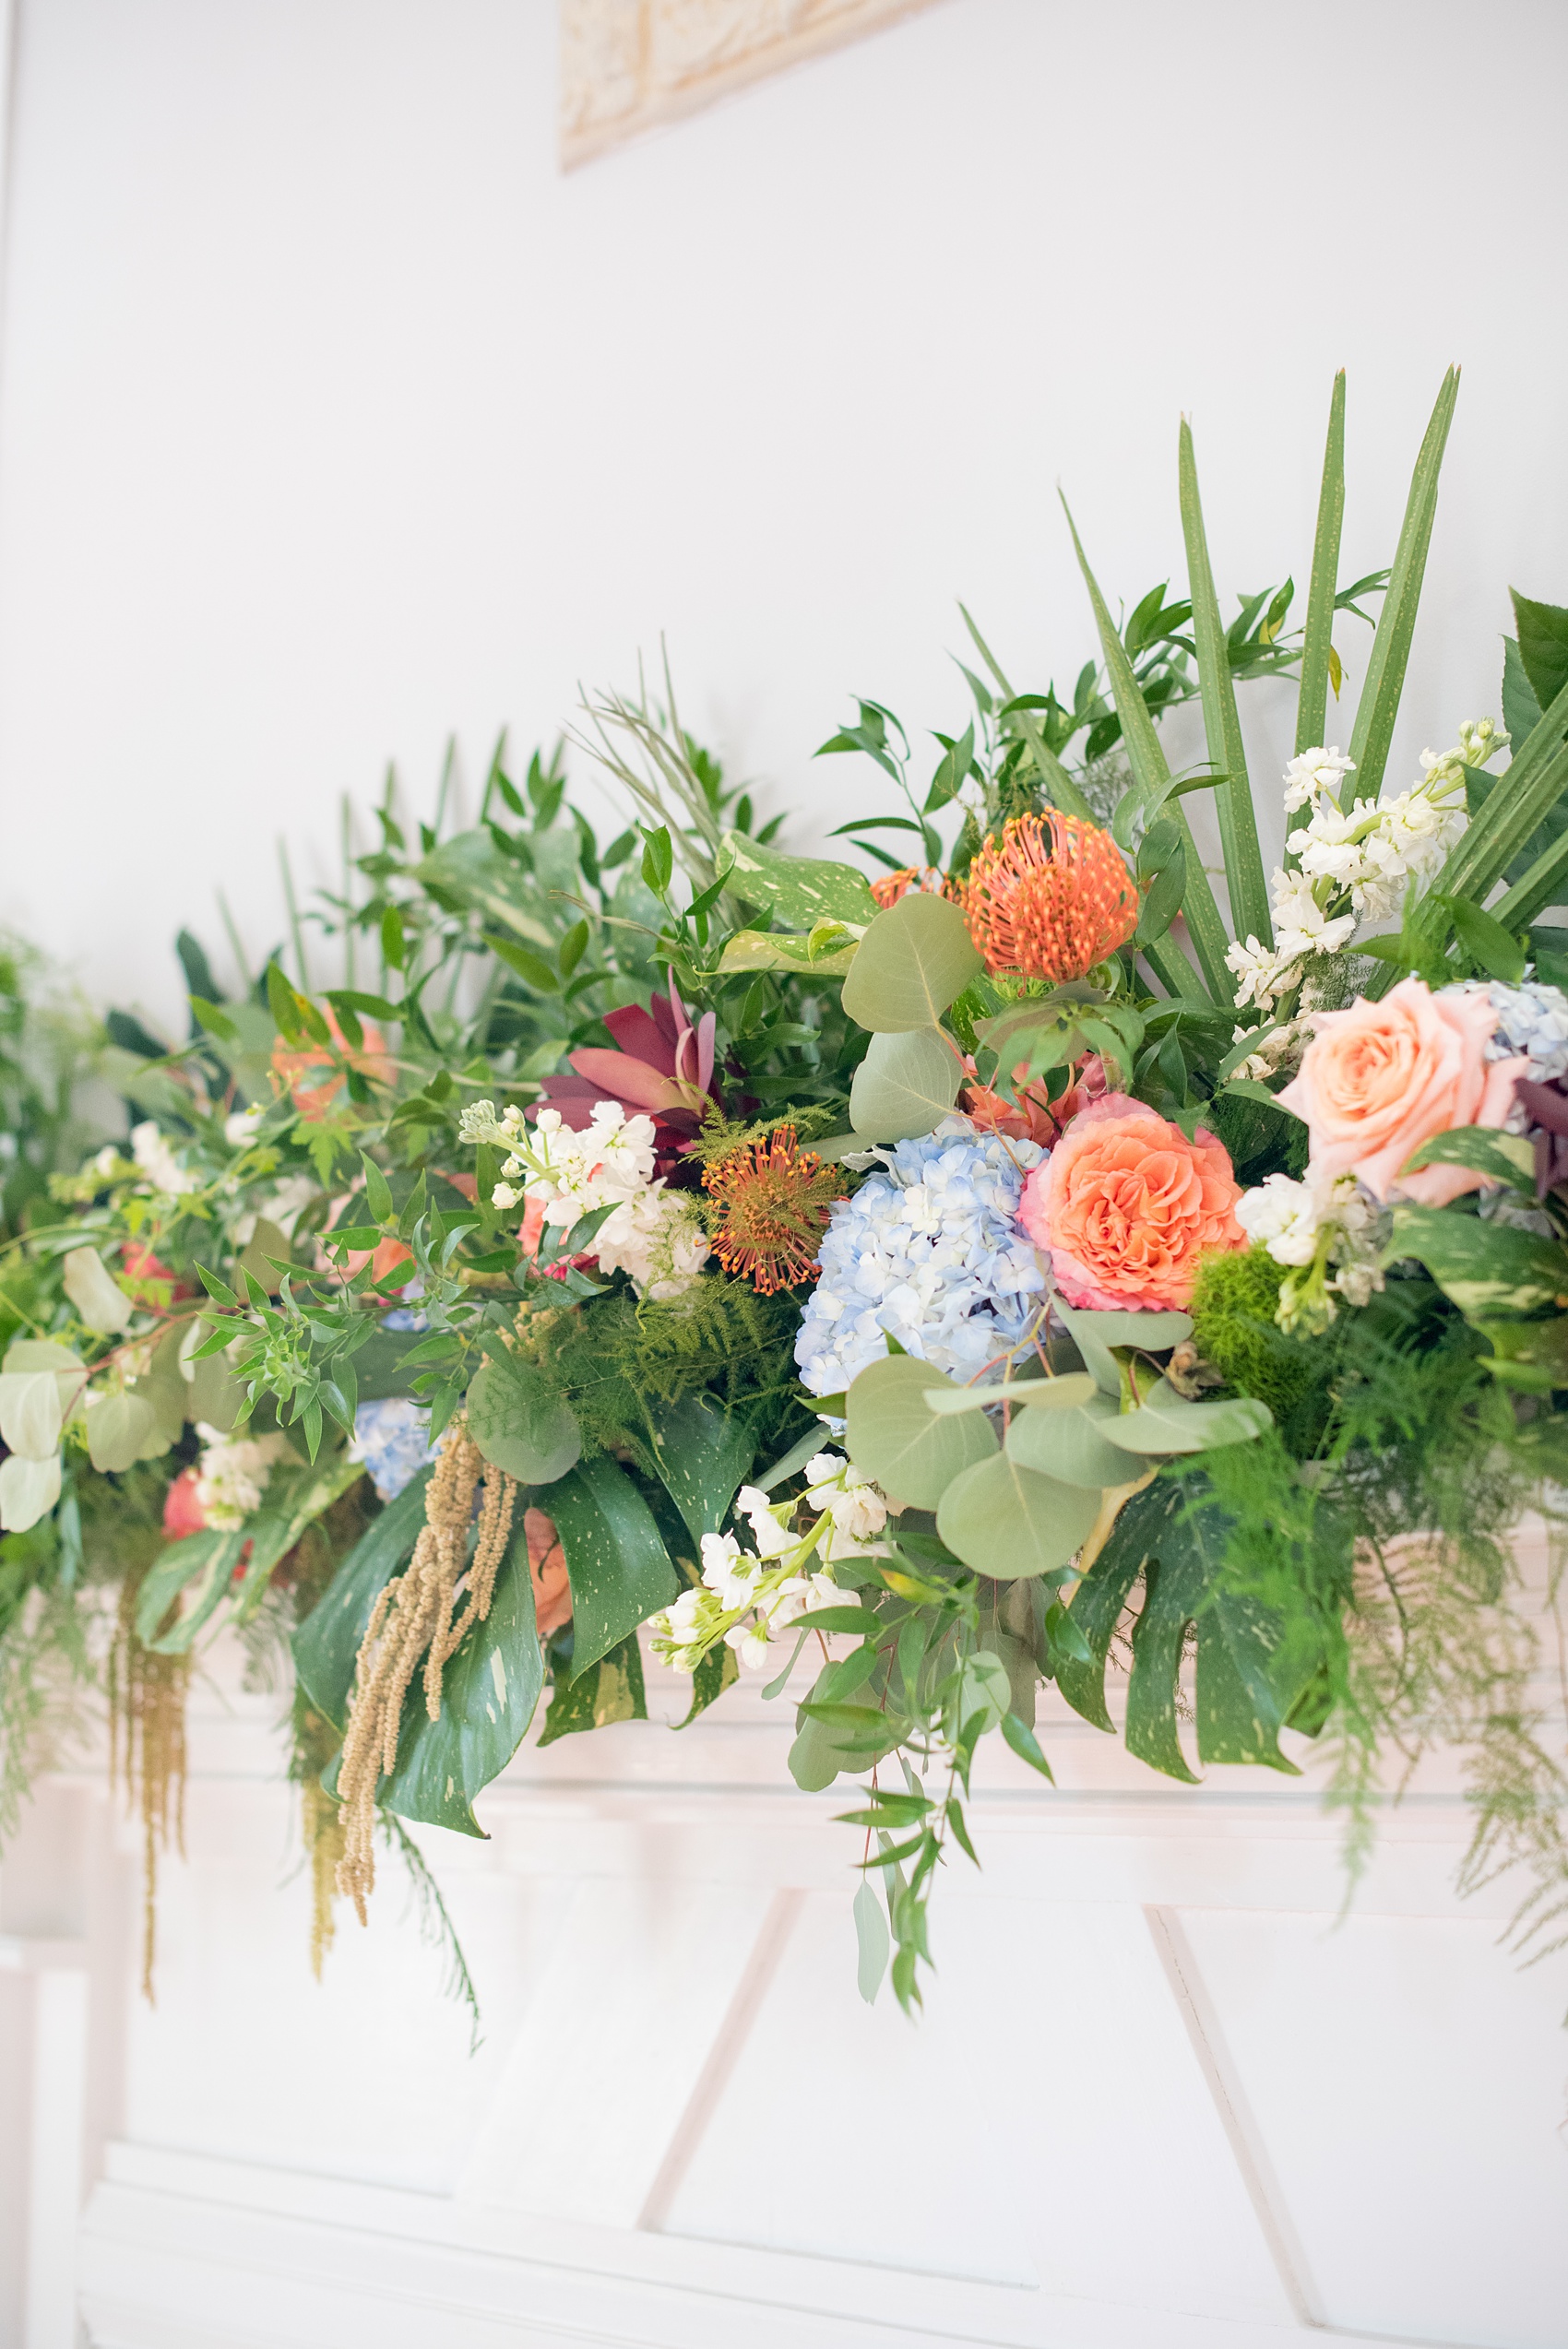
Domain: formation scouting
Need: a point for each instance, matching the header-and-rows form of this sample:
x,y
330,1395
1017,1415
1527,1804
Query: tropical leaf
x,y
1152,775
1489,1271
203,1564
329,1640
1379,703
769,949
1246,1680
612,1690
1317,636
1505,1157
798,891
619,1568
1232,798
701,1454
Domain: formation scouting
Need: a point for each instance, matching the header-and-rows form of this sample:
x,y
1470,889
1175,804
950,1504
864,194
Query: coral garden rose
x,y
1125,1206
1378,1079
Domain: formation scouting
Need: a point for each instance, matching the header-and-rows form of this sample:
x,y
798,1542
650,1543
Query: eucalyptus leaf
x,y
1008,1520
906,1085
31,1415
118,1431
895,1438
1167,1423
1070,1433
1094,1334
520,1423
871,1941
916,959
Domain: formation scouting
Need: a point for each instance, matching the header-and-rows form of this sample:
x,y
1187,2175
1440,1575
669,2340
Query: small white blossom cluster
x,y
233,1474
1272,1049
1310,1226
151,1150
746,1599
654,1234
1350,865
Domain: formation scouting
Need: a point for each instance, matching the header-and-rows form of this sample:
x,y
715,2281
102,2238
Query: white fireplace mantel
x,y
1161,2098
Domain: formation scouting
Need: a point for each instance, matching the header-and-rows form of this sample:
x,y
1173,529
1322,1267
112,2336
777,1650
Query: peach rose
x,y
1125,1206
547,1564
1378,1079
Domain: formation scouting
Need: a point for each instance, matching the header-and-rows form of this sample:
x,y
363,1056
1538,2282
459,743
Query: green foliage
x,y
1234,1303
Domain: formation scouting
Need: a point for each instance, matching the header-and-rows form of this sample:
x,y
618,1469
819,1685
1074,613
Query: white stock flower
x,y
770,1537
240,1127
1313,773
749,1643
154,1154
1282,1215
233,1474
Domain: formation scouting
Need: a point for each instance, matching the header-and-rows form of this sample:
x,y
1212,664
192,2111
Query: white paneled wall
x,y
332,418
1161,2094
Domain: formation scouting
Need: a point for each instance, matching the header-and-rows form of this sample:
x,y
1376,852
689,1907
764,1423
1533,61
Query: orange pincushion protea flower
x,y
1050,899
890,886
774,1200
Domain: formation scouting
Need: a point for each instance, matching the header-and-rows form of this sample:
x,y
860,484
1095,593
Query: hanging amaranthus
x,y
414,1618
147,1752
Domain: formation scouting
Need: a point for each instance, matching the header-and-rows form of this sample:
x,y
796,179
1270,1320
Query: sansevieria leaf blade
x,y
1151,773
1317,636
1222,726
1379,703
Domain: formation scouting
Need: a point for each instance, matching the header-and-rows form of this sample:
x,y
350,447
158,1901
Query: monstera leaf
x,y
1248,1675
1488,1270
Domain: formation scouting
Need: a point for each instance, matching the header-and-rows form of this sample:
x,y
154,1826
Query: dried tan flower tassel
x,y
412,1618
147,1745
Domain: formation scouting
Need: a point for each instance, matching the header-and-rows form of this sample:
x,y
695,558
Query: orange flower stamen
x,y
1051,898
774,1200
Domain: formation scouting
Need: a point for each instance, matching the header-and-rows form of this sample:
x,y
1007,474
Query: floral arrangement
x,y
993,1271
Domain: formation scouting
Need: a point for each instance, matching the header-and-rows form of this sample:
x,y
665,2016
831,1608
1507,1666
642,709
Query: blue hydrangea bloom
x,y
392,1437
932,1252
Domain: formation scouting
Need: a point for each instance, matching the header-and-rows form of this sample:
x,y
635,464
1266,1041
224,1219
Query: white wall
x,y
332,418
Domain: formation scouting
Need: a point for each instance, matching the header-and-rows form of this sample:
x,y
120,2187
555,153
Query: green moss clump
x,y
1234,1302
